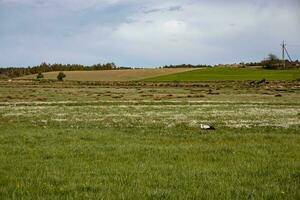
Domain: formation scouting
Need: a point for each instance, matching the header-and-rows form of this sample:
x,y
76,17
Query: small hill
x,y
230,74
111,75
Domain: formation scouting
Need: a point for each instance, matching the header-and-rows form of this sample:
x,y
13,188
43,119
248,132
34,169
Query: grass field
x,y
219,73
111,75
69,140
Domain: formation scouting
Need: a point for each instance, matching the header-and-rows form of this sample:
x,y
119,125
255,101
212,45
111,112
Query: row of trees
x,y
186,66
12,72
271,62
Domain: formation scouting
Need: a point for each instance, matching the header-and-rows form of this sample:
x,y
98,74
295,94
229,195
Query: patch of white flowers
x,y
147,115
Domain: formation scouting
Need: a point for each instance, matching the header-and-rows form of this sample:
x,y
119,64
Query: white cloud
x,y
137,32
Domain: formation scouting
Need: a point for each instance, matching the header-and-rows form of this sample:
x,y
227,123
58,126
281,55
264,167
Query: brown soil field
x,y
111,75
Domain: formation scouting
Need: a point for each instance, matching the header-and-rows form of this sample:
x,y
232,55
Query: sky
x,y
146,33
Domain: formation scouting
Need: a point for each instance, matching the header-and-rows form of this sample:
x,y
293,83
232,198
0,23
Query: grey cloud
x,y
154,10
175,8
169,9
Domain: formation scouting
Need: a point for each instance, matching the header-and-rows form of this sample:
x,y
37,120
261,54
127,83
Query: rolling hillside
x,y
111,75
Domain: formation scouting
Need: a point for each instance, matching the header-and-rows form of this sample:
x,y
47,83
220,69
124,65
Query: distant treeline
x,y
251,64
186,66
272,62
13,72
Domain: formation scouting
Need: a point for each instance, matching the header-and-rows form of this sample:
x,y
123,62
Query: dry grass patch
x,y
118,96
147,95
41,99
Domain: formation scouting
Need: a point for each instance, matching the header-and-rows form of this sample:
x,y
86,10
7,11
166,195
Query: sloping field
x,y
112,75
212,74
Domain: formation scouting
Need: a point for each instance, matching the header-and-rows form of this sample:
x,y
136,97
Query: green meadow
x,y
69,140
230,74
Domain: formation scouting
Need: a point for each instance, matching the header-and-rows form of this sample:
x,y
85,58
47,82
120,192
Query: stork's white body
x,y
206,127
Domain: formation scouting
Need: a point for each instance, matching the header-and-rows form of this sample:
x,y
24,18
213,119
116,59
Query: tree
x,y
272,57
40,76
271,62
61,76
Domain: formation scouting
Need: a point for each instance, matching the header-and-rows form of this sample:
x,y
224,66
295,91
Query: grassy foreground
x,y
66,141
130,163
214,74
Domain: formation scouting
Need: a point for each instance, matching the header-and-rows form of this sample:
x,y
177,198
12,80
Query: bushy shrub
x,y
61,76
40,76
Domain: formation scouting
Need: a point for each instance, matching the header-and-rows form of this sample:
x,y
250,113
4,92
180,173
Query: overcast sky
x,y
146,32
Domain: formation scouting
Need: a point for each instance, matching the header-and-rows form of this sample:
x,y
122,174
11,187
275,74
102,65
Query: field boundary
x,y
105,103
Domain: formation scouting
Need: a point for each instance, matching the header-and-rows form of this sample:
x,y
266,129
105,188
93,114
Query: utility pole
x,y
283,52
